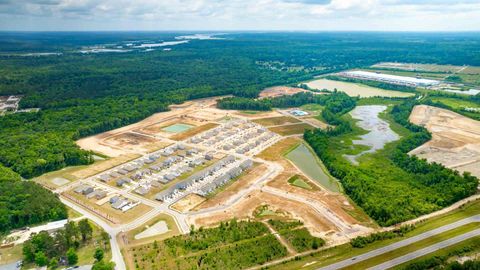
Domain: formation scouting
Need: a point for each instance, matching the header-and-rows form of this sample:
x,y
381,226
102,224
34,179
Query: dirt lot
x,y
455,138
315,223
138,137
277,91
187,203
103,165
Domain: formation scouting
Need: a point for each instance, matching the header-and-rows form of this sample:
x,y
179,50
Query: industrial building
x,y
387,78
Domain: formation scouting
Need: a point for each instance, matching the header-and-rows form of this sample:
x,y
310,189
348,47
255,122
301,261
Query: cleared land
x,y
276,121
287,130
277,91
131,238
455,138
315,223
187,203
353,89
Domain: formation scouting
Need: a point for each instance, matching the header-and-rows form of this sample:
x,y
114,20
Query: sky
x,y
224,15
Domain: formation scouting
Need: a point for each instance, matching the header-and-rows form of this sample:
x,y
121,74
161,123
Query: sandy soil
x,y
277,91
187,203
120,141
315,122
455,138
315,223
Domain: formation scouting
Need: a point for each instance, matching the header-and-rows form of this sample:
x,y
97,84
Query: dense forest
x,y
83,94
23,203
391,186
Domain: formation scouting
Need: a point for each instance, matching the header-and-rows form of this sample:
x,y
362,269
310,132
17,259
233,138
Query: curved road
x,y
409,241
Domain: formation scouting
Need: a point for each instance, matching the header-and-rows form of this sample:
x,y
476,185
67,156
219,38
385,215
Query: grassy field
x,y
193,131
342,252
276,121
456,103
413,247
246,244
172,231
465,248
353,89
288,130
298,181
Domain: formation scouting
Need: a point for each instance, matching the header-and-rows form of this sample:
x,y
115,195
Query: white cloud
x,y
239,14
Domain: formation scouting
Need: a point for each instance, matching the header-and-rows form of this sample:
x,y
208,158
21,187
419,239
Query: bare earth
x,y
146,136
277,91
455,138
187,203
315,223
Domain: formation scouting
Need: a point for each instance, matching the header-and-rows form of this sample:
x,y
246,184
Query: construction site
x,y
455,139
197,166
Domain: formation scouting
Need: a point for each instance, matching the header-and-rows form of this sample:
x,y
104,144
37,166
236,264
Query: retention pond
x,y
310,165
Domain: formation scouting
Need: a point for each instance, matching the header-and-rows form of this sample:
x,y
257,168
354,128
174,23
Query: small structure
x,y
141,191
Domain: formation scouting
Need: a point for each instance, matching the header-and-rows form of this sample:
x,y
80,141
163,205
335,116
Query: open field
x,y
131,238
276,121
293,129
277,91
187,203
353,89
455,139
419,67
193,131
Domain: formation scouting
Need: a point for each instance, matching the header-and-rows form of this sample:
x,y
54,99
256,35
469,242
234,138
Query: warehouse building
x,y
387,78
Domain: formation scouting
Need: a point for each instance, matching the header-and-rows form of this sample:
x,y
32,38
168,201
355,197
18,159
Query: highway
x,y
400,244
427,250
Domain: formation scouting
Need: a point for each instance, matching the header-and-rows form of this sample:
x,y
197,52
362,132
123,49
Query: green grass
x,y
456,103
345,251
413,247
467,247
85,253
297,181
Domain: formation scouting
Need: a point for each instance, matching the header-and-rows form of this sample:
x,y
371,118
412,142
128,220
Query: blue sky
x,y
308,15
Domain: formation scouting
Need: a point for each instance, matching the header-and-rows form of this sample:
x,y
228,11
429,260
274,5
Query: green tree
x,y
85,229
106,238
102,265
72,256
41,259
99,254
53,264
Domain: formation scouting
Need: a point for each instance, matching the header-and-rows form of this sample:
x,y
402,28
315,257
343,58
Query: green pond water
x,y
177,128
305,160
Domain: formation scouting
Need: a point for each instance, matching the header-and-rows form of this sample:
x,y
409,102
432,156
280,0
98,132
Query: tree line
x,y
394,186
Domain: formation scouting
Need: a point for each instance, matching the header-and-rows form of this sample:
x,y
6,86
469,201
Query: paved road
x,y
427,250
403,243
116,253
